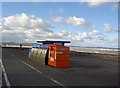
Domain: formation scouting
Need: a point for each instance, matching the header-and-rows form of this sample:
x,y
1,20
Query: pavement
x,y
83,71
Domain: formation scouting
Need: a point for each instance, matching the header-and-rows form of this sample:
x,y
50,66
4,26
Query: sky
x,y
87,24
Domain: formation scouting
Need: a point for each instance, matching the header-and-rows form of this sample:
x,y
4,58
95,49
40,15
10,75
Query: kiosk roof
x,y
51,41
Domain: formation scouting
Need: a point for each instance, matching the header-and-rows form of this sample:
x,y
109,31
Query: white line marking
x,y
0,75
41,72
5,75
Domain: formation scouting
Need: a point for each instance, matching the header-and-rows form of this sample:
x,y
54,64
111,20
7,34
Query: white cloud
x,y
114,5
108,28
61,10
59,20
24,27
95,33
63,33
24,21
76,21
93,3
74,36
60,35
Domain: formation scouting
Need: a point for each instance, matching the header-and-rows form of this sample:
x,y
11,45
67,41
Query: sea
x,y
101,50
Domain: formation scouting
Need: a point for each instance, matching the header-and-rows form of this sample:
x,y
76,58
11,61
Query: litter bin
x,y
58,56
32,52
39,53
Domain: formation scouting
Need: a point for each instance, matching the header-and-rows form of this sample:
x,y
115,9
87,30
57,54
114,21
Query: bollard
x,y
29,50
20,46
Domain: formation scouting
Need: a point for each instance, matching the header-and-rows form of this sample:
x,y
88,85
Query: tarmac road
x,y
21,71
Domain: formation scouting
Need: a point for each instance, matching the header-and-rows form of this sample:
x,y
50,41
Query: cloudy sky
x,y
83,23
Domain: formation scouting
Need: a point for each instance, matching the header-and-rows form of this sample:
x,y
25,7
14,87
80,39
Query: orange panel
x,y
51,61
62,64
58,56
61,58
63,49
